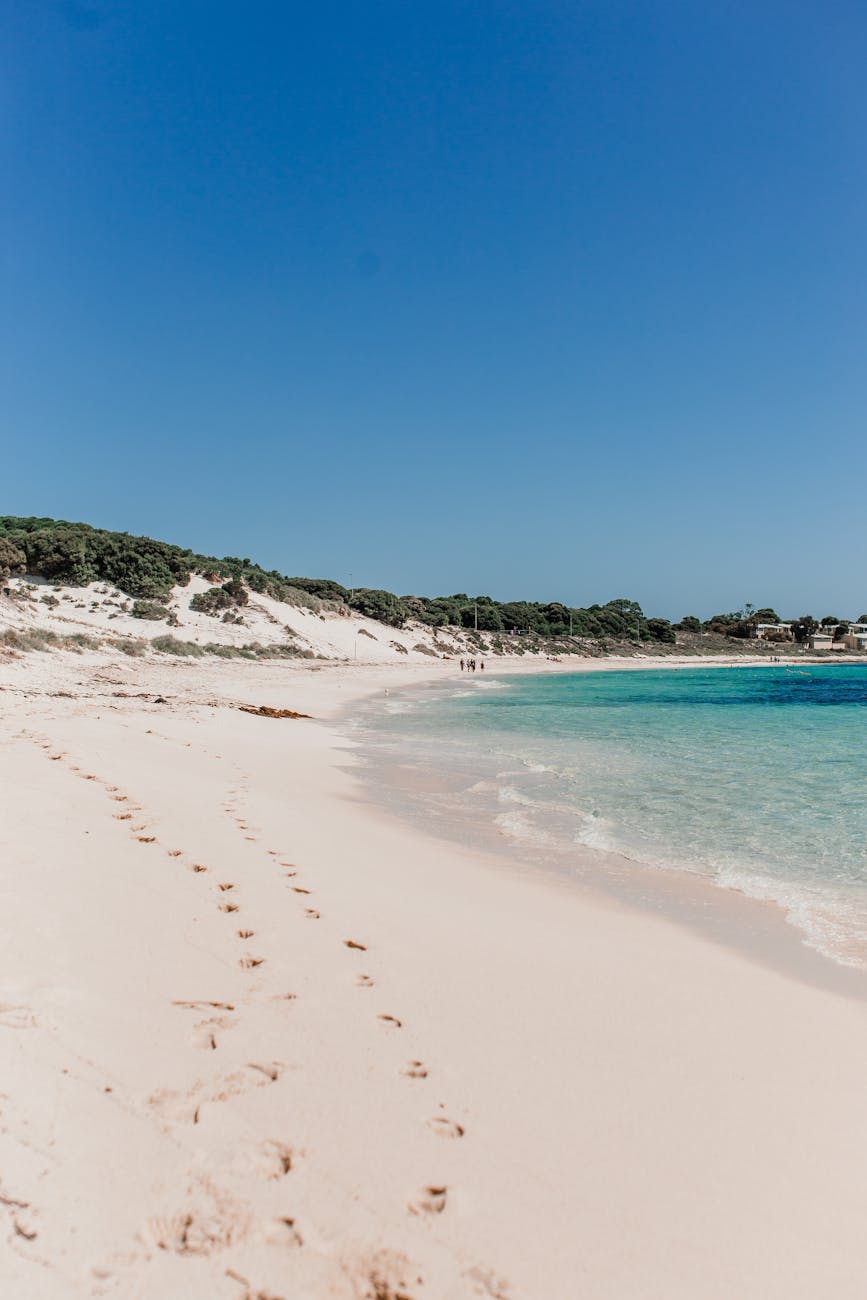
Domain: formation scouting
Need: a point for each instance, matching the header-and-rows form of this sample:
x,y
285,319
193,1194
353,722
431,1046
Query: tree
x,y
661,630
804,627
12,558
382,605
689,623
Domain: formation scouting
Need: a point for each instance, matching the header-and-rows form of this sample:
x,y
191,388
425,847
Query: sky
x,y
540,300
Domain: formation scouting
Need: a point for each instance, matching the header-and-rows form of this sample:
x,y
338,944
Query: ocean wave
x,y
595,832
511,794
519,825
831,924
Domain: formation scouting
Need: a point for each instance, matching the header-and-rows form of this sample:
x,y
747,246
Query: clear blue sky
x,y
555,300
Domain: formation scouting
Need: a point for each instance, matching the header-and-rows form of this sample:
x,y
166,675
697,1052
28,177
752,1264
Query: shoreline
x,y
760,928
503,1088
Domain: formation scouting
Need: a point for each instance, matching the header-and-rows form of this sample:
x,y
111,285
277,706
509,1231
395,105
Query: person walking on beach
x,y
462,665
481,665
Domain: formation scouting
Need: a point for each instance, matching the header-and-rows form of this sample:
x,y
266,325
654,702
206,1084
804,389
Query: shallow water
x,y
753,777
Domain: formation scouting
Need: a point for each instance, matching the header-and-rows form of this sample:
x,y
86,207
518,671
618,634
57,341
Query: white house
x,y
773,631
856,637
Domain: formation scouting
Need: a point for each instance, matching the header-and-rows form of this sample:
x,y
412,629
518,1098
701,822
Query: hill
x,y
69,582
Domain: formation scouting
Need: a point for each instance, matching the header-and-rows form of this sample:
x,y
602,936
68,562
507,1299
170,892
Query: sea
x,y
754,778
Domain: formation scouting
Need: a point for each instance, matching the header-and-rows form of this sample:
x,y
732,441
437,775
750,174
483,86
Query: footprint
x,y
364,982
204,1033
351,943
122,817
175,853
311,913
276,1159
228,907
282,1232
488,1284
297,889
271,1072
197,866
23,1230
225,887
188,1234
429,1200
391,1021
414,1070
195,1003
16,1017
147,839
445,1127
246,934
250,963
175,1107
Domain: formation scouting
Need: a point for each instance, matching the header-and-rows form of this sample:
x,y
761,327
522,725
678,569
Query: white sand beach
x,y
258,1040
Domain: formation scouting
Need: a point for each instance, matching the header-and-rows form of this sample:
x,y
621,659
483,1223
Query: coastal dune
x,y
260,1041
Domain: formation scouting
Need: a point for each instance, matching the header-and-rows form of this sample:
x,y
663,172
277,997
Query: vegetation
x,y
74,554
12,558
37,638
217,599
150,609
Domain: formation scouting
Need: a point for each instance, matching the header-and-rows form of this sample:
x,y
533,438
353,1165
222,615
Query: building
x,y
827,638
773,632
856,637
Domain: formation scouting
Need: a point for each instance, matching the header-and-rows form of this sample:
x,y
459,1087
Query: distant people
x,y
462,665
482,665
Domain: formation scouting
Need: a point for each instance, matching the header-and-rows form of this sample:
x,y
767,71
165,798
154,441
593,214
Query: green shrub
x,y
12,558
38,638
169,645
150,609
216,599
380,605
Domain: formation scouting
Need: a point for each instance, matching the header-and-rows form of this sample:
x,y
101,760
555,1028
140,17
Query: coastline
x,y
764,927
695,1125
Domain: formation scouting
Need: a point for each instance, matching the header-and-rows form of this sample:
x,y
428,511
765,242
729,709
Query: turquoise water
x,y
754,777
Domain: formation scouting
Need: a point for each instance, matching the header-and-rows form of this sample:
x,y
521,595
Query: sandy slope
x,y
508,1090
101,610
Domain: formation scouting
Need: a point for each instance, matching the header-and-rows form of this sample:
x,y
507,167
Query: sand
x,y
260,1041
